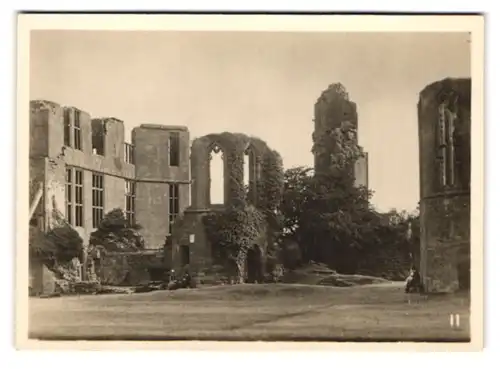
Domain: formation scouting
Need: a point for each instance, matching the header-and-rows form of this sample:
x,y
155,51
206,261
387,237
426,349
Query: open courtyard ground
x,y
284,312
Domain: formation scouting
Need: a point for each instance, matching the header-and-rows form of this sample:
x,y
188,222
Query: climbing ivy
x,y
234,230
340,148
232,233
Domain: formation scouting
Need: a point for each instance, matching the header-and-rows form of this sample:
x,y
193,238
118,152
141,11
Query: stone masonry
x,y
333,109
444,139
189,246
63,138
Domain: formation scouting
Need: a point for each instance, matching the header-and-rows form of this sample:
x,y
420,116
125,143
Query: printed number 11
x,y
454,320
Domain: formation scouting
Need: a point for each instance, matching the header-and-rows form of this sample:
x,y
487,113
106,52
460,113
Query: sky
x,y
259,83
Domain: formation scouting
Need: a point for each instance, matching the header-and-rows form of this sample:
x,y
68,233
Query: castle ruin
x,y
444,124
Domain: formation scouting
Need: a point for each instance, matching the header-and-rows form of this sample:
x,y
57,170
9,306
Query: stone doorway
x,y
254,265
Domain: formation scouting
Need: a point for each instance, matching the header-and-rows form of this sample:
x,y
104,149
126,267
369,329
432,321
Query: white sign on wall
x,y
191,238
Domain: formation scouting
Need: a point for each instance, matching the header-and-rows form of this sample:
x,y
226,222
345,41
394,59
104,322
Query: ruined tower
x,y
444,143
333,110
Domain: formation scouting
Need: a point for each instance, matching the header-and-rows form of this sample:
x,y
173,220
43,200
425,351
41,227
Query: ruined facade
x,y
444,123
84,169
333,110
189,246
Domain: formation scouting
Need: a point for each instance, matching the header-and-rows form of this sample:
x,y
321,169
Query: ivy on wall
x,y
232,233
234,230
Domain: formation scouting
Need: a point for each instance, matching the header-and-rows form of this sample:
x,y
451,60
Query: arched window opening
x,y
216,176
250,177
246,170
446,145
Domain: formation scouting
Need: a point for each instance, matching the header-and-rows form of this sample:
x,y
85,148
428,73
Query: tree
x,y
114,233
332,222
297,191
325,212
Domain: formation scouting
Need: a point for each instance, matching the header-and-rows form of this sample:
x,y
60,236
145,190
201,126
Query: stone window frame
x,y
130,195
253,172
447,117
77,130
98,194
72,130
67,128
173,204
79,212
129,152
174,149
98,137
69,195
216,147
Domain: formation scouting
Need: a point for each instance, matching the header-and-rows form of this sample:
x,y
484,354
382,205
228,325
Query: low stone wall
x,y
129,268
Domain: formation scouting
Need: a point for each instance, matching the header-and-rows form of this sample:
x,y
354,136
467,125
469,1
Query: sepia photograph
x,y
250,179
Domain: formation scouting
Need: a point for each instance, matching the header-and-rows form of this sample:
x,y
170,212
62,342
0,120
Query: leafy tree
x,y
296,193
114,233
325,212
333,222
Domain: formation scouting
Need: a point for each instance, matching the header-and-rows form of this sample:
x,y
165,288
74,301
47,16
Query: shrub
x,y
114,233
58,246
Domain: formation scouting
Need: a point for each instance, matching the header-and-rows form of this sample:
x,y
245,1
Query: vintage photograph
x,y
250,185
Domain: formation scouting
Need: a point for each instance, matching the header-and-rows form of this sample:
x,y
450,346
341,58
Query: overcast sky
x,y
262,84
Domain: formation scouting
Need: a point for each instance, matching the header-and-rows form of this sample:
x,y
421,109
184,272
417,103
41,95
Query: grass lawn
x,y
283,312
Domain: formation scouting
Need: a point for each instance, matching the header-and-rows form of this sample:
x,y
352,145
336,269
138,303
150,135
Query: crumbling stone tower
x,y
444,140
332,110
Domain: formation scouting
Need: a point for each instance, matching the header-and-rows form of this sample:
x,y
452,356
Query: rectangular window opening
x,y
98,137
69,196
130,202
79,198
129,153
97,199
67,128
173,203
185,255
77,131
174,149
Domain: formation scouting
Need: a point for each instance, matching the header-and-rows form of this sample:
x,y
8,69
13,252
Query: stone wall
x,y
127,269
40,113
54,192
49,158
155,174
445,249
445,184
361,171
189,231
152,172
42,281
37,176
